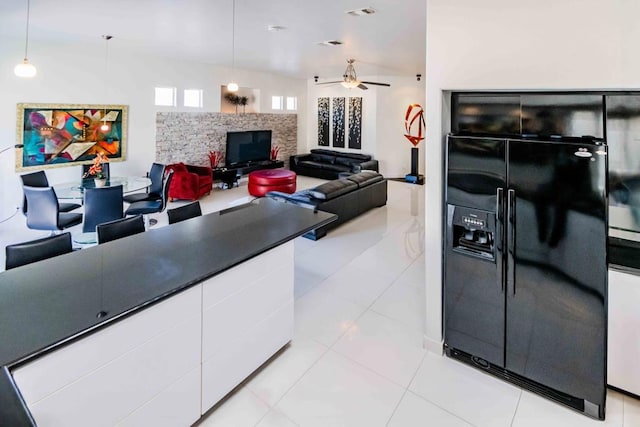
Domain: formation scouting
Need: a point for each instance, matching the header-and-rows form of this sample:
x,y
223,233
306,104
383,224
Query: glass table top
x,y
75,190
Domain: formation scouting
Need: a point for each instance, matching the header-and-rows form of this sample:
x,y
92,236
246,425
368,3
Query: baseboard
x,y
433,346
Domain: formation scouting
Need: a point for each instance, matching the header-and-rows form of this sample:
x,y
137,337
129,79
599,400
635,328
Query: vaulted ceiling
x,y
388,42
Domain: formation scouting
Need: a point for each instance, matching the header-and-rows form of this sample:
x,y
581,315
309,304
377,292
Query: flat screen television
x,y
247,147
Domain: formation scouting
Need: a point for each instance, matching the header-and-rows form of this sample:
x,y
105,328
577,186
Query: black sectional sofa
x,y
328,164
347,197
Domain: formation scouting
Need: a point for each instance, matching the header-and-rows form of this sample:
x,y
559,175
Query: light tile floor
x,y
357,357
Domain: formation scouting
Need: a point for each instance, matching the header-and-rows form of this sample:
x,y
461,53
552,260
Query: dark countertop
x,y
624,255
48,303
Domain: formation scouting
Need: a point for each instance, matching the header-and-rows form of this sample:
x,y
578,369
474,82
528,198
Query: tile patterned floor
x,y
357,357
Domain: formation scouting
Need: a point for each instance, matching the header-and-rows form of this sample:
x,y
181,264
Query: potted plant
x,y
215,157
237,100
96,171
274,153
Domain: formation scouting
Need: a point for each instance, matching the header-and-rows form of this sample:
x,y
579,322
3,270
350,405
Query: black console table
x,y
229,176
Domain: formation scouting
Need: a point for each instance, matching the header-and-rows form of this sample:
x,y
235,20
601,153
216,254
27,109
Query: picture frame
x,y
59,135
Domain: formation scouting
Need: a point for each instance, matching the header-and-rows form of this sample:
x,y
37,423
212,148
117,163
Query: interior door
x,y
556,269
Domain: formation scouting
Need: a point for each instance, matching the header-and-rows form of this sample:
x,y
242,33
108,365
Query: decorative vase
x,y
100,182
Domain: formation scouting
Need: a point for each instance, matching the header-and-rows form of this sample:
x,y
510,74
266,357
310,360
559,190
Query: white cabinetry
x,y
169,363
247,317
623,358
115,373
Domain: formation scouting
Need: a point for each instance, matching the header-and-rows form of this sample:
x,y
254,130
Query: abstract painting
x,y
56,135
323,122
355,122
338,122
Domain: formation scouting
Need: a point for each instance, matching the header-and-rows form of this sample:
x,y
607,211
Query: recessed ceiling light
x,y
361,12
276,28
330,43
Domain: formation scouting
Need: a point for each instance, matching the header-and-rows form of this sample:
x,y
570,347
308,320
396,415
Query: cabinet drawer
x,y
237,360
233,316
234,280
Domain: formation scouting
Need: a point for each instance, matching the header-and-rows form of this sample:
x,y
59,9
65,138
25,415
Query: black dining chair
x,y
85,171
39,179
102,204
155,189
185,212
120,228
152,206
36,250
44,211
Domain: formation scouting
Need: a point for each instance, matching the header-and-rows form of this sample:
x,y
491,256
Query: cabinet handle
x,y
500,237
511,245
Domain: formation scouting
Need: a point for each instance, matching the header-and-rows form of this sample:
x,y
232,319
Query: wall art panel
x,y
323,122
355,122
338,122
56,135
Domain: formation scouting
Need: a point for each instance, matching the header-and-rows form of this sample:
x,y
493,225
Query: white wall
x,y
383,110
394,150
75,74
502,44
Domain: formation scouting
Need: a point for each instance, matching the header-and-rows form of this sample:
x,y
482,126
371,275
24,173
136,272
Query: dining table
x,y
75,190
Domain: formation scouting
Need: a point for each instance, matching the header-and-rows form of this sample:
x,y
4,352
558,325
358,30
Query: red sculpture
x,y
410,119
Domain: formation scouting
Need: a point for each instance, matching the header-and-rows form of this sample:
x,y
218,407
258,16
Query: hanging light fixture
x,y
233,86
105,127
26,69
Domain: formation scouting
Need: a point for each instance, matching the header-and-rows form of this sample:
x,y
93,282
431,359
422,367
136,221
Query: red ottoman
x,y
263,181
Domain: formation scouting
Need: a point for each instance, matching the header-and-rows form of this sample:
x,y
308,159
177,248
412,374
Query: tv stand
x,y
229,175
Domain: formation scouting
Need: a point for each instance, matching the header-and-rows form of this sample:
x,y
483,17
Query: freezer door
x,y
556,270
473,289
475,170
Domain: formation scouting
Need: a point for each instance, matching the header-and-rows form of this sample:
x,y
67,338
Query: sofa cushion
x,y
325,166
356,156
365,178
324,151
332,189
323,158
346,161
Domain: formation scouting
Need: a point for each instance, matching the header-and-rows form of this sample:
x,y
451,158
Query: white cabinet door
x,y
247,317
153,360
623,358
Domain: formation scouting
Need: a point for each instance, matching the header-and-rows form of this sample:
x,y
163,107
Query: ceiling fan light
x,y
25,69
232,87
350,84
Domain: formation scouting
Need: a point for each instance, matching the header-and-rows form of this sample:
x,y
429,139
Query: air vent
x,y
361,12
330,43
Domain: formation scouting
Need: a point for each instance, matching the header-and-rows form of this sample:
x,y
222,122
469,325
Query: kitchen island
x,y
164,323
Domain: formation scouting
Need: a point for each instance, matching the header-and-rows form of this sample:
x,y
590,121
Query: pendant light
x,y
105,127
233,86
25,69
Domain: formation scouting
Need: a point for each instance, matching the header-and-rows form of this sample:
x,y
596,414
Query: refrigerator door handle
x,y
511,240
500,236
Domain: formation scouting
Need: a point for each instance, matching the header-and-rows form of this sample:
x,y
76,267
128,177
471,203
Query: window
x,y
277,103
193,98
292,103
166,96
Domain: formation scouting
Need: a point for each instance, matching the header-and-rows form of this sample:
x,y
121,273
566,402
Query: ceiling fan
x,y
350,80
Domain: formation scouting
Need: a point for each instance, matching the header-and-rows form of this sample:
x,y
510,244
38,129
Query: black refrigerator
x,y
525,267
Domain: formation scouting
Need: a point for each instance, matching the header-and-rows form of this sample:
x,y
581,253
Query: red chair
x,y
190,182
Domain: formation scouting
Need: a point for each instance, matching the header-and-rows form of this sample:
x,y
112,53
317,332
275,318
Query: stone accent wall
x,y
188,137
